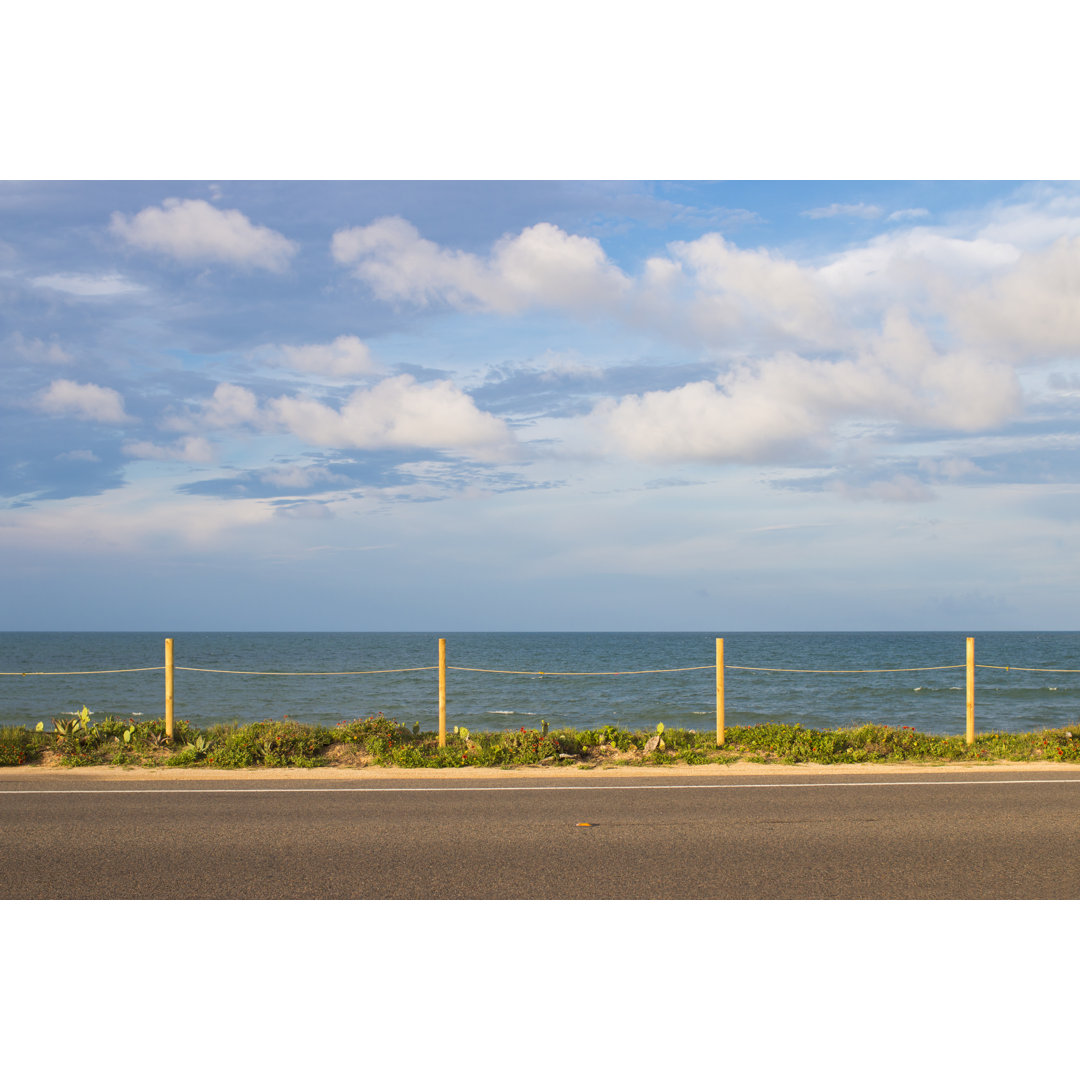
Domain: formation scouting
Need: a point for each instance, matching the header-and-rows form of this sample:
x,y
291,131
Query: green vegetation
x,y
20,747
380,741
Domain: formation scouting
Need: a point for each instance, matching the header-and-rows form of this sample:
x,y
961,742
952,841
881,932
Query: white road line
x,y
527,787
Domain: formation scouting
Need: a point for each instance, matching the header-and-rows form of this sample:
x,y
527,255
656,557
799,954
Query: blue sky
x,y
539,405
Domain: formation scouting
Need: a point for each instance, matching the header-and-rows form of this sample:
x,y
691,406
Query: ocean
x,y
928,700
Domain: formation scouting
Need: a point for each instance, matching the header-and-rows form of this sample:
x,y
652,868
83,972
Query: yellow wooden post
x,y
970,690
719,691
442,691
168,688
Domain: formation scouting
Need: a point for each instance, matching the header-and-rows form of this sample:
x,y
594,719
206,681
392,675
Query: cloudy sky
x,y
441,405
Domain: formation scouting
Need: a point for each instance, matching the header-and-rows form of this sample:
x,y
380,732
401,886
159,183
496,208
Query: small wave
x,y
508,712
917,689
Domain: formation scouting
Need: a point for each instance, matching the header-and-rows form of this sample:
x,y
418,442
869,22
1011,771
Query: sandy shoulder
x,y
568,774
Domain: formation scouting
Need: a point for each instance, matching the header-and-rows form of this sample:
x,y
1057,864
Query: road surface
x,y
564,835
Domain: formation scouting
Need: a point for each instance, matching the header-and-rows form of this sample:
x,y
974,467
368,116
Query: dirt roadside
x,y
565,774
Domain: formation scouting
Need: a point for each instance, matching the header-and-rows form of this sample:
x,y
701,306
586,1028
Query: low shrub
x,y
609,735
408,757
18,746
524,747
376,734
273,743
80,740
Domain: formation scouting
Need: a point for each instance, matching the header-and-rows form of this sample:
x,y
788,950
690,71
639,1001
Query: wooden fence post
x,y
442,691
168,688
719,691
970,690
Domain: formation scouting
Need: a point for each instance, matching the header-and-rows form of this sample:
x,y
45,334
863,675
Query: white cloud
x,y
567,365
1036,222
709,291
912,263
908,215
661,273
541,266
191,449
305,511
739,290
939,266
84,401
127,519
397,412
860,210
39,352
399,264
300,476
88,284
950,469
1033,308
789,405
346,356
960,390
703,421
230,406
544,265
898,489
192,230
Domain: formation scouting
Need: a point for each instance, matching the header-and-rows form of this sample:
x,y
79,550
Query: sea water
x,y
528,678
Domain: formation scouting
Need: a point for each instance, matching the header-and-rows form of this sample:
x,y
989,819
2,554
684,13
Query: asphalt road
x,y
910,836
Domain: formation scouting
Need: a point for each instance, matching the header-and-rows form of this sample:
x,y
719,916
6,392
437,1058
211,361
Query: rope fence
x,y
844,671
720,667
1048,670
112,671
646,671
380,671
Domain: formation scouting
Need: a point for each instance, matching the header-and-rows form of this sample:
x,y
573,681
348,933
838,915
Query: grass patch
x,y
380,741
